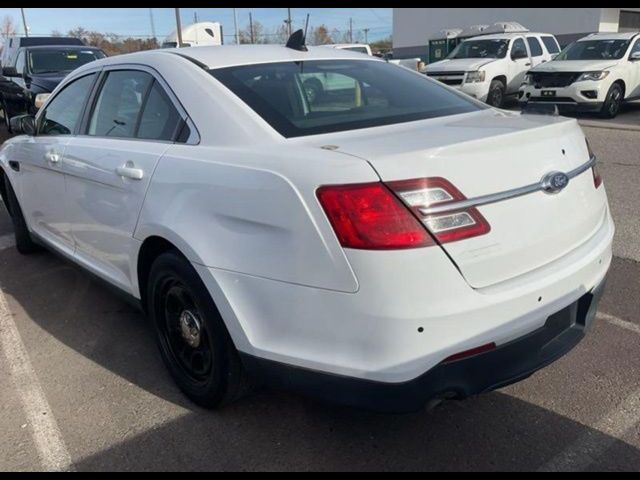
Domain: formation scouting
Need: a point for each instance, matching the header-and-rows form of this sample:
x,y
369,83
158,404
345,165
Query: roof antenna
x,y
296,41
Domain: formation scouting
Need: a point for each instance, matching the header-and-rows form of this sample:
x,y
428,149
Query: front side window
x,y
594,50
480,49
518,46
635,49
60,60
64,111
321,96
534,46
119,104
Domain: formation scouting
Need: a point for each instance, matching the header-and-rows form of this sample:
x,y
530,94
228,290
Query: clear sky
x,y
137,21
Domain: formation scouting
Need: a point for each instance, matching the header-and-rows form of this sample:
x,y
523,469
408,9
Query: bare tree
x,y
258,33
7,27
320,35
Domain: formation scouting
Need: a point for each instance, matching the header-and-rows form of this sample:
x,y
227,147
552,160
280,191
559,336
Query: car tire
x,y
5,115
24,242
495,98
314,89
193,340
612,102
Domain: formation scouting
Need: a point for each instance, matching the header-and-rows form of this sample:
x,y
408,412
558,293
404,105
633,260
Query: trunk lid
x,y
485,153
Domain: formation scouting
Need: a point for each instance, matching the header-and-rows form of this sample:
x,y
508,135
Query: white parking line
x,y
594,442
632,327
44,428
7,241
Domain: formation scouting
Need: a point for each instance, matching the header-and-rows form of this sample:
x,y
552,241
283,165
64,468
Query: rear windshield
x,y
480,49
314,97
63,60
594,50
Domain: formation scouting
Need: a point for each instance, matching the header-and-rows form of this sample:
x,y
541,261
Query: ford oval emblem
x,y
554,182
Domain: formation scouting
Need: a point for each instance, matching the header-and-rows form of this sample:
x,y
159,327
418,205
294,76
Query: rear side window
x,y
534,46
160,119
551,44
64,111
119,104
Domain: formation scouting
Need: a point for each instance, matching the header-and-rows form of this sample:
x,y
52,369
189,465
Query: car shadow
x,y
273,430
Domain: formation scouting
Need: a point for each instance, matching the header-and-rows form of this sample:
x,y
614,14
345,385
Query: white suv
x,y
595,74
489,67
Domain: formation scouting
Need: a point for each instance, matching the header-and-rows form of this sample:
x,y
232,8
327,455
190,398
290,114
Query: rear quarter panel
x,y
253,211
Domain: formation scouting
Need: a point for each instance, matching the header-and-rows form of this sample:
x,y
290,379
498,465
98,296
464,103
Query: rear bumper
x,y
507,364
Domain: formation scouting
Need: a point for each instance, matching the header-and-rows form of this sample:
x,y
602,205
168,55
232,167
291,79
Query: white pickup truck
x,y
595,74
490,67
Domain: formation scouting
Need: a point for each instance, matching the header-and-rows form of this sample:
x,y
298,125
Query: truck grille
x,y
557,79
448,78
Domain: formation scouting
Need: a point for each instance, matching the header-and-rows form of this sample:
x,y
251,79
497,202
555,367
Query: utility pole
x,y
350,30
235,25
153,25
288,21
24,23
251,28
178,27
366,35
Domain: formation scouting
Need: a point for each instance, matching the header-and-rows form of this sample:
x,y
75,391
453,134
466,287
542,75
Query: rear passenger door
x,y
131,123
535,50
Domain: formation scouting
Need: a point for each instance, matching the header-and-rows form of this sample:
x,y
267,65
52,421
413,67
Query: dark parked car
x,y
33,70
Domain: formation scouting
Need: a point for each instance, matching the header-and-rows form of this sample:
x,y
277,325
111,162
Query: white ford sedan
x,y
384,244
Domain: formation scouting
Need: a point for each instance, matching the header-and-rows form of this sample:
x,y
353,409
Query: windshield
x,y
594,50
63,60
313,97
480,49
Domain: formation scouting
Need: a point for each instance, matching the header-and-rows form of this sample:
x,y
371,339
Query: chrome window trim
x,y
500,196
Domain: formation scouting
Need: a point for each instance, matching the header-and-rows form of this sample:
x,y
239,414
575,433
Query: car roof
x,y
508,36
221,56
609,36
60,47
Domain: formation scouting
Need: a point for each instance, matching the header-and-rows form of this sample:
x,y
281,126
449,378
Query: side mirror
x,y
10,72
518,54
635,56
23,124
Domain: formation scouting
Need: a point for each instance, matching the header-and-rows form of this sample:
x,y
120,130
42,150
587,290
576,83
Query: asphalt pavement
x,y
83,387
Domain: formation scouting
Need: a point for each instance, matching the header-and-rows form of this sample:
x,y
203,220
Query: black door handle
x,y
14,165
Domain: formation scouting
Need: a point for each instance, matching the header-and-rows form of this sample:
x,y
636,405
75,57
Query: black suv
x,y
31,70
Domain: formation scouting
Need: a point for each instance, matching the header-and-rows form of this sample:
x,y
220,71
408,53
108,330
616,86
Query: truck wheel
x,y
193,340
313,88
612,102
496,94
5,115
24,243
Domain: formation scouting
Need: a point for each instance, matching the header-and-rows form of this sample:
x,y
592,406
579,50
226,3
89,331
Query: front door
x,y
41,185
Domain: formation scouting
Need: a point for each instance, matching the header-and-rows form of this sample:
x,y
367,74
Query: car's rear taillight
x,y
368,216
597,179
446,224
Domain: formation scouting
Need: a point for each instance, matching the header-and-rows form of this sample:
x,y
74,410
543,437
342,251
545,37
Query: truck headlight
x,y
474,77
593,76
